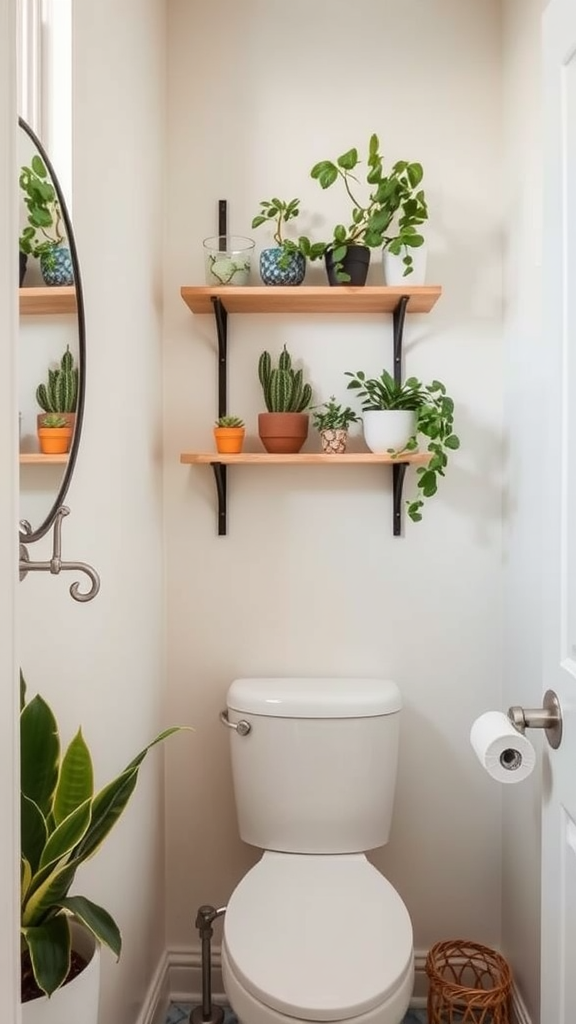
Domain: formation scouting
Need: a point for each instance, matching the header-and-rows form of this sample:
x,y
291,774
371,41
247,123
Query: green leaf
x,y
67,835
33,831
415,174
452,442
76,779
97,920
38,167
258,221
49,947
348,160
39,753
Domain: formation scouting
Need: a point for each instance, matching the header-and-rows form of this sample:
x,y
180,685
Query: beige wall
x,y
310,579
9,802
526,348
101,664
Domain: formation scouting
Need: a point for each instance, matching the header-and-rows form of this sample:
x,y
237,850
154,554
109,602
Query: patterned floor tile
x,y
178,1013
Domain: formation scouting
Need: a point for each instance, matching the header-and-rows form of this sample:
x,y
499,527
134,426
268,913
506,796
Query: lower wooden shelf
x,y
37,459
220,463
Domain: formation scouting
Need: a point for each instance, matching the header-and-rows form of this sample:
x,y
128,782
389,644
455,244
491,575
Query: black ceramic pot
x,y
23,262
355,264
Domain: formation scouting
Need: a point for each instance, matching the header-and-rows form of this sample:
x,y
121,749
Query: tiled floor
x,y
180,1012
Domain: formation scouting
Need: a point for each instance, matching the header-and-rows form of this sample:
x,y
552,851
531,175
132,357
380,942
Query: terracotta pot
x,y
54,440
283,433
334,441
229,440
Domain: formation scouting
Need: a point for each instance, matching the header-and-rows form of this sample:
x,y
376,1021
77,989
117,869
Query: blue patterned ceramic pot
x,y
273,271
56,266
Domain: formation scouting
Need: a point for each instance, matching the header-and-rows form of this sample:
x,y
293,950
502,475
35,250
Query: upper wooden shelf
x,y
303,299
47,301
303,459
37,459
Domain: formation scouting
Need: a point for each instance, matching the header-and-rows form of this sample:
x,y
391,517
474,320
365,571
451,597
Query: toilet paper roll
x,y
506,754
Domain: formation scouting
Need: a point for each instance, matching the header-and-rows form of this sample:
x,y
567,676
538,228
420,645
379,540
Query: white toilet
x,y
314,932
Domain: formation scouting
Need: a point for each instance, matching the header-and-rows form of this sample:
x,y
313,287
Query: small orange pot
x,y
229,440
54,440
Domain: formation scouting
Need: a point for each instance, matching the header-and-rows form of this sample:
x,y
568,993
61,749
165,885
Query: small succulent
x,y
331,416
60,394
283,387
53,419
229,421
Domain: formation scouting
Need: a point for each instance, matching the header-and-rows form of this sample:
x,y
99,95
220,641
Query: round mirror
x,y
52,353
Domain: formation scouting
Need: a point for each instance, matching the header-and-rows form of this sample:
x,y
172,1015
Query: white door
x,y
558,1004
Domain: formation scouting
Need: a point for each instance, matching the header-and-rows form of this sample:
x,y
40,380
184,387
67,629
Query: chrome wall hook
x,y
55,565
548,717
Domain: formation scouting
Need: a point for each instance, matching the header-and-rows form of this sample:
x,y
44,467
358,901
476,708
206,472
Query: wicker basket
x,y
467,984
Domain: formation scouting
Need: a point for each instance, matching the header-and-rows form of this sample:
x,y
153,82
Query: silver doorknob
x,y
548,717
242,727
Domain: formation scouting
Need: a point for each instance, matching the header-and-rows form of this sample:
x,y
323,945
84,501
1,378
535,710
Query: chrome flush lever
x,y
242,727
548,717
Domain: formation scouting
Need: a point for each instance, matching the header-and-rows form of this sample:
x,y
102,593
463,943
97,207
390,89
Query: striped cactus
x,y
60,394
283,388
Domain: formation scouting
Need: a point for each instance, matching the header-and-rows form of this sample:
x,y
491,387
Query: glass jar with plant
x,y
283,264
229,434
332,421
44,237
388,217
396,414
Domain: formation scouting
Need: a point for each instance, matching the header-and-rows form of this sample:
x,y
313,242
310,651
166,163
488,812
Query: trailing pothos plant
x,y
434,420
389,216
63,823
45,228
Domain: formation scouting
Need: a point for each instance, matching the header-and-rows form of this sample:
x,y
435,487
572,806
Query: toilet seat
x,y
318,937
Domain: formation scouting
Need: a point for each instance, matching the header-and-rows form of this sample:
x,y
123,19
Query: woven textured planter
x,y
467,984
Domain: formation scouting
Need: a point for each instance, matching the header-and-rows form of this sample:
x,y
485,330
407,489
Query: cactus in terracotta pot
x,y
284,428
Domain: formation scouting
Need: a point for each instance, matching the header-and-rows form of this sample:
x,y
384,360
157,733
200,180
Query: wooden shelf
x,y
47,301
306,459
303,299
37,459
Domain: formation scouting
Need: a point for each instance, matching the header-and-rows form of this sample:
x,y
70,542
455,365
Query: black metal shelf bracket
x,y
398,317
219,470
221,317
398,474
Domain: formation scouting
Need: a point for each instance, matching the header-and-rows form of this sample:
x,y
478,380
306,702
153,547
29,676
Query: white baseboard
x,y
178,979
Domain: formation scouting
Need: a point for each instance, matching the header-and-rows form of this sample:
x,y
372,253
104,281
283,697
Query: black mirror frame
x,y
27,534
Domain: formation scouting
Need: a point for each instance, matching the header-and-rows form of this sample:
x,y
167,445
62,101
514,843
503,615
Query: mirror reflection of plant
x,y
434,420
229,421
45,228
332,416
53,420
60,394
391,195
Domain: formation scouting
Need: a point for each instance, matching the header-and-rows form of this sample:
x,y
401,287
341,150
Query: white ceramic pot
x,y
386,429
393,267
76,1001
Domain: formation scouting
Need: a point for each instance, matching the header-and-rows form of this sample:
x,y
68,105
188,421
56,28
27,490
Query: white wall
x,y
526,349
9,838
310,579
101,664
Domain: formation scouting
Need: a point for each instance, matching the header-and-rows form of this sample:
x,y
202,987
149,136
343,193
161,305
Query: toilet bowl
x,y
314,932
322,938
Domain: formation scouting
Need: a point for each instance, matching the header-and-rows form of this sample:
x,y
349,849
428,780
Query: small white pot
x,y
386,429
76,1001
393,267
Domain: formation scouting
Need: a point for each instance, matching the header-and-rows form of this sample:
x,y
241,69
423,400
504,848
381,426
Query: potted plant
x,y
388,217
60,392
332,421
284,264
229,435
63,823
54,434
44,237
396,414
284,428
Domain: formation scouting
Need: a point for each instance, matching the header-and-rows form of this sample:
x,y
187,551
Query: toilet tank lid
x,y
315,698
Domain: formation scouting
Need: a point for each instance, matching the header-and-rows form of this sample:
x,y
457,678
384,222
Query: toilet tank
x,y
316,773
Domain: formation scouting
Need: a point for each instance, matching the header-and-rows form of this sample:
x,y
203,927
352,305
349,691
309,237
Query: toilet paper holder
x,y
548,717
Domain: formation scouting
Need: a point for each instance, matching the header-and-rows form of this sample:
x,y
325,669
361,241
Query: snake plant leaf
x,y
48,887
25,878
76,779
97,920
49,948
67,835
33,832
40,753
